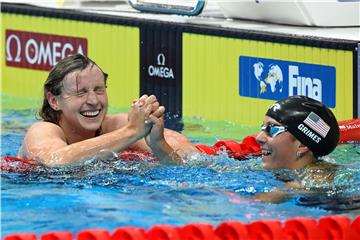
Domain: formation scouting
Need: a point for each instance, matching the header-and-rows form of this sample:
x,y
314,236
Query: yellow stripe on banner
x,y
114,48
211,76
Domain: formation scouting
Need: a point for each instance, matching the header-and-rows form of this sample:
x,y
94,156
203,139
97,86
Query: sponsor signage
x,y
39,50
276,79
160,69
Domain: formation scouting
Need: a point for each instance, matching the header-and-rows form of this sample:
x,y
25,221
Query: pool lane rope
x,y
300,228
349,132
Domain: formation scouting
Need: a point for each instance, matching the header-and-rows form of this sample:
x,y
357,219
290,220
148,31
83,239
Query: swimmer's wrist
x,y
165,153
132,132
161,145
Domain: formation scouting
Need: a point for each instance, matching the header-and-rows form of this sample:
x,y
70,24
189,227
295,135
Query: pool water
x,y
107,194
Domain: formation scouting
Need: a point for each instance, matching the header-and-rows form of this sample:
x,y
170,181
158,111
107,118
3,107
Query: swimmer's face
x,y
83,101
279,149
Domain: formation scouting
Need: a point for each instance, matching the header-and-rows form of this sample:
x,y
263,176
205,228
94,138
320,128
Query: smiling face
x,y
280,150
83,102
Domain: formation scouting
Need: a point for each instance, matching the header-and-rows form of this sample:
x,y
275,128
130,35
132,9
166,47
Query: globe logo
x,y
270,77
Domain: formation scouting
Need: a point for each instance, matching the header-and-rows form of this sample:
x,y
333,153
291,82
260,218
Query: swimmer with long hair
x,y
75,125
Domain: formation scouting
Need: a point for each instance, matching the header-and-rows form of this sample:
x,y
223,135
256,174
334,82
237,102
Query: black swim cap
x,y
310,121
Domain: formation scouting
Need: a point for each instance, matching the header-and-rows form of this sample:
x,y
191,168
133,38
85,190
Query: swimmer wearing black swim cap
x,y
296,131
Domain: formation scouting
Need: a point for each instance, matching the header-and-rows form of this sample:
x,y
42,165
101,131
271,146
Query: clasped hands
x,y
146,117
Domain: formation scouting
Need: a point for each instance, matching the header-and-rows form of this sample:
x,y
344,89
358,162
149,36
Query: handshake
x,y
146,118
151,106
145,114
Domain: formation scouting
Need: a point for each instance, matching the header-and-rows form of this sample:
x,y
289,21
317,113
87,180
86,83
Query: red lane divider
x,y
335,228
355,227
93,234
234,149
265,230
59,235
300,228
12,164
129,233
21,236
232,231
198,231
164,232
349,130
133,154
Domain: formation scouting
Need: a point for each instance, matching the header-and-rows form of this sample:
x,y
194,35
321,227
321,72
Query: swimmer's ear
x,y
52,100
302,149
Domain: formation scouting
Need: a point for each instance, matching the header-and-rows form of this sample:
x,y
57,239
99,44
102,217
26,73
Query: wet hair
x,y
53,83
310,121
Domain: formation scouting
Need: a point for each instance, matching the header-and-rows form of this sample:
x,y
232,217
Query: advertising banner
x,y
34,44
238,79
274,79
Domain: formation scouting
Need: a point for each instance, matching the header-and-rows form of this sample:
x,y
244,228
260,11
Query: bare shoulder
x,y
45,128
40,139
44,132
320,172
113,122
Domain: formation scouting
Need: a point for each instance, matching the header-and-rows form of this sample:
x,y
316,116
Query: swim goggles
x,y
272,129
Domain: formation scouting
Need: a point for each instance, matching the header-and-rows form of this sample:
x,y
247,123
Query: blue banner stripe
x,y
276,79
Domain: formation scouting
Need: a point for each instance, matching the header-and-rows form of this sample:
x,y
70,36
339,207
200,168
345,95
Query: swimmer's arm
x,y
46,142
165,153
168,146
271,197
172,149
279,195
179,143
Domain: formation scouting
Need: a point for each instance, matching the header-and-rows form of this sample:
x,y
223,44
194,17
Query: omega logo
x,y
40,51
160,70
9,57
161,59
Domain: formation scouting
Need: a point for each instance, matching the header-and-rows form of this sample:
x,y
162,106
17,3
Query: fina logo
x,y
307,86
160,70
272,78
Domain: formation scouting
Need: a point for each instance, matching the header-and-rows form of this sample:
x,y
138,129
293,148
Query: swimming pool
x,y
108,194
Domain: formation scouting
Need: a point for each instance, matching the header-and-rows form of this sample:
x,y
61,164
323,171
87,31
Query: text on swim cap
x,y
309,133
307,86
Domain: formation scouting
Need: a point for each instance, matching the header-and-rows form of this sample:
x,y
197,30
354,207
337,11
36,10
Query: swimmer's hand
x,y
279,195
157,142
136,119
149,103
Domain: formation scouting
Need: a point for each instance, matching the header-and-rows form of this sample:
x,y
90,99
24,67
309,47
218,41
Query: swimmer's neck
x,y
304,161
73,135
